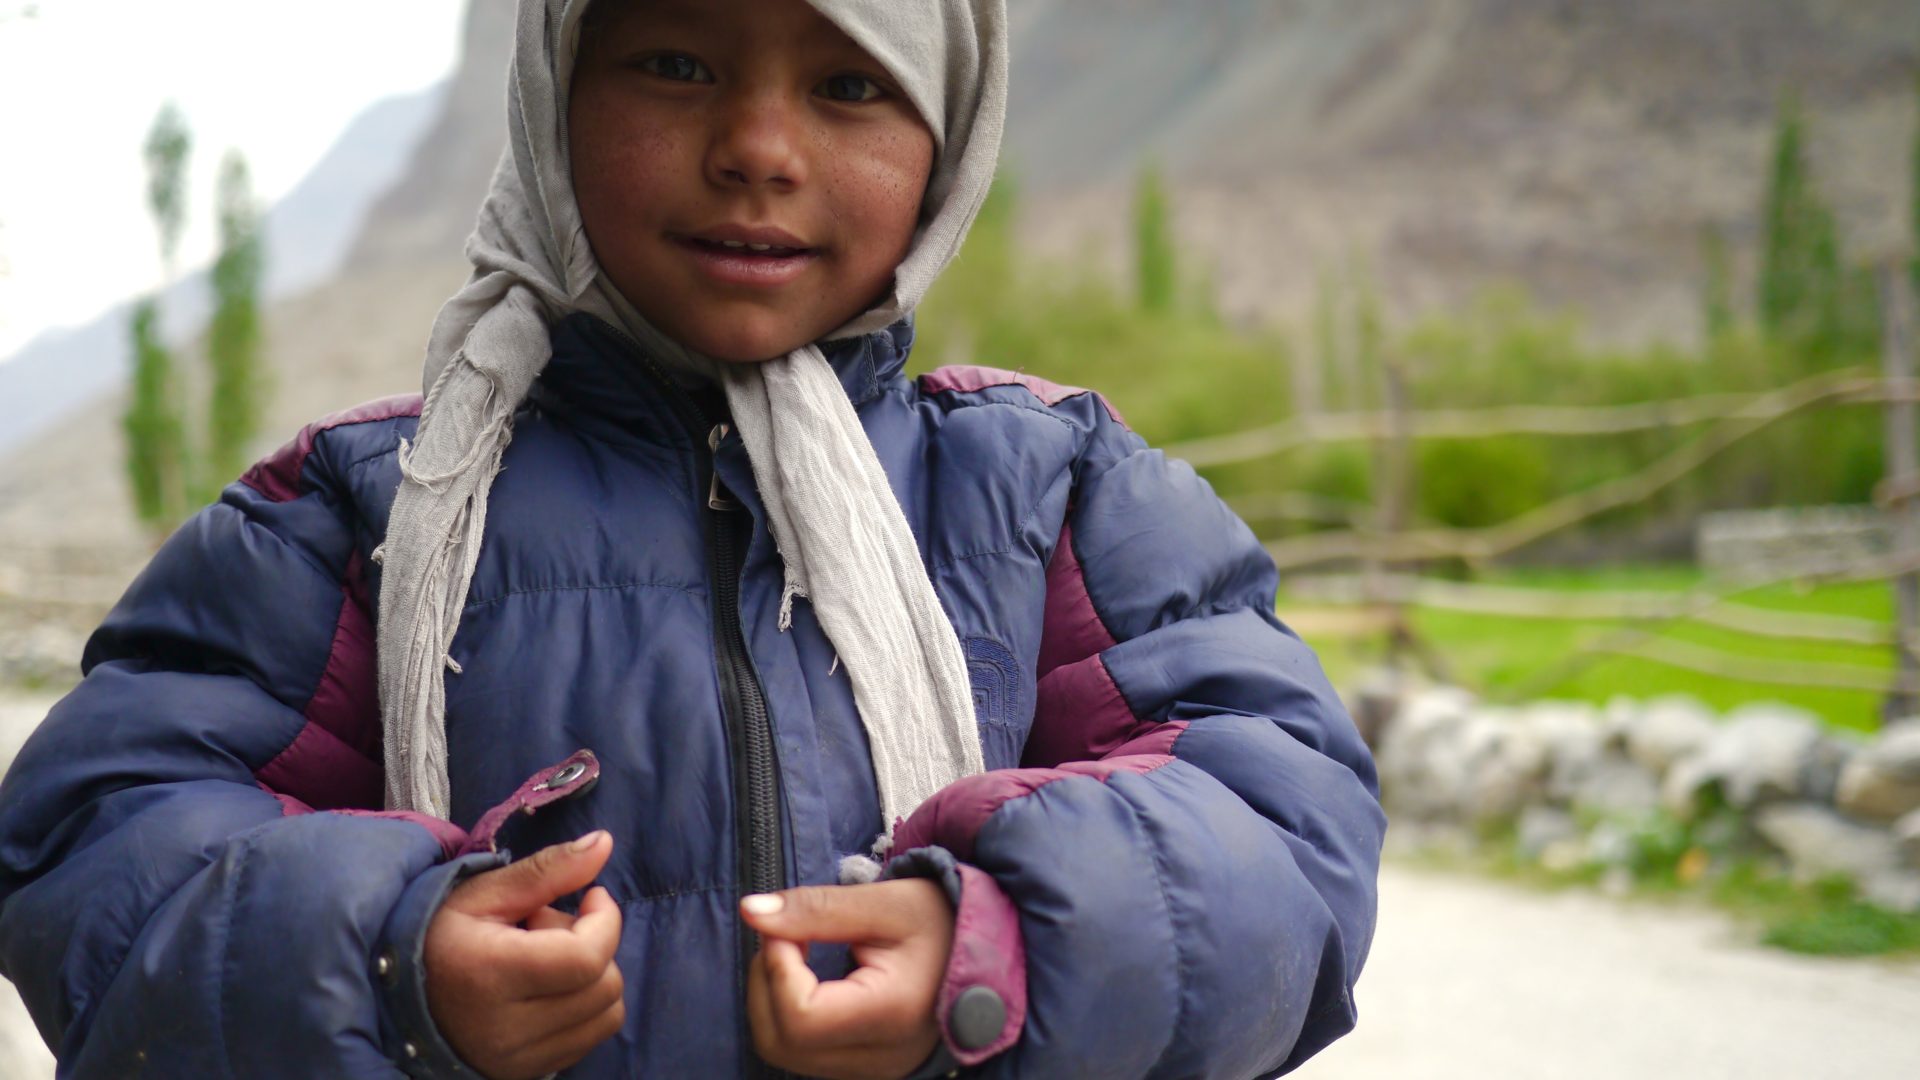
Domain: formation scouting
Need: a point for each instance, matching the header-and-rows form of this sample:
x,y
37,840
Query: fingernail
x,y
763,903
587,841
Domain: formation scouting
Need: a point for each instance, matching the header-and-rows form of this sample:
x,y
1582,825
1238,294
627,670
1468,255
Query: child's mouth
x,y
748,262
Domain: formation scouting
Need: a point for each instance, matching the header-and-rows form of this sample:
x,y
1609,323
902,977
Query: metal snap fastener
x,y
565,776
410,1050
383,967
977,1016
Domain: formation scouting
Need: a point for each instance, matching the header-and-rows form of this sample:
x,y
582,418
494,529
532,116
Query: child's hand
x,y
518,1002
875,1024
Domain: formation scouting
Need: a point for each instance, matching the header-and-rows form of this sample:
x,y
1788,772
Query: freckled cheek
x,y
882,190
620,148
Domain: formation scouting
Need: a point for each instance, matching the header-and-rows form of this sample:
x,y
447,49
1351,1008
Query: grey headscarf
x,y
814,467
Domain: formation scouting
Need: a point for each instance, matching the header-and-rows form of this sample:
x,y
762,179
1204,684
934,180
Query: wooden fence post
x,y
1898,491
1393,460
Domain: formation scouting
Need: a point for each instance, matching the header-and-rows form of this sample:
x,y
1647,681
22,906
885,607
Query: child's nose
x,y
758,142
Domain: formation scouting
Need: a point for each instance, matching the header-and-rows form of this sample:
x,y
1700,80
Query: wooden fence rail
x,y
1863,388
1705,606
1381,542
1479,545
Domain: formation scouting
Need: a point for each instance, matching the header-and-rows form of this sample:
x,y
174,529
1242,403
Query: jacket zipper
x,y
760,864
759,796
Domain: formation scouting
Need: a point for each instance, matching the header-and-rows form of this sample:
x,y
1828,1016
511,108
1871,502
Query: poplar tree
x,y
1718,289
237,376
1156,271
1802,285
156,449
1913,199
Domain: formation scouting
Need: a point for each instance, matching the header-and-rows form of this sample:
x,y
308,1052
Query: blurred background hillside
x,y
1553,347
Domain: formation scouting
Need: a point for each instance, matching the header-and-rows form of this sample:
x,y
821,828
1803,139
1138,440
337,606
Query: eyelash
x,y
873,90
652,66
690,70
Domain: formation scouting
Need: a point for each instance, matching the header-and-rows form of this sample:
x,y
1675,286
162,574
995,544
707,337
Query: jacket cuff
x,y
407,1030
982,1006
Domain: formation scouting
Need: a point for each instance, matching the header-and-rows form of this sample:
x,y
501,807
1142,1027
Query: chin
x,y
731,350
742,341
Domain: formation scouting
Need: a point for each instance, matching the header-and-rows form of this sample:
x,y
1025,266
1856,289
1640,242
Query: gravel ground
x,y
1479,979
1472,978
22,1055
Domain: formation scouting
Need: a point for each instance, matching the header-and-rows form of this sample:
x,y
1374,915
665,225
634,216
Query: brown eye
x,y
676,67
850,88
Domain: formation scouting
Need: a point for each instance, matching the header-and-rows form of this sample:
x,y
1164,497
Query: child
x,y
739,611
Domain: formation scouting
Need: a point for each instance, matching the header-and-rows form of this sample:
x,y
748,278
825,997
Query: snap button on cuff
x,y
565,776
383,967
976,1018
410,1050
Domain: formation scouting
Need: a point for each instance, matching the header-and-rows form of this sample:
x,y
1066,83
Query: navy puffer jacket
x,y
1168,871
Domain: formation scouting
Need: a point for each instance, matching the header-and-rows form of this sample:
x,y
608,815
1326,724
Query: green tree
x,y
236,385
156,450
1328,351
1913,198
156,442
1718,287
1802,286
1157,275
169,146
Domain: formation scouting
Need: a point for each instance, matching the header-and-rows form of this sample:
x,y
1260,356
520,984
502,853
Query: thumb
x,y
517,891
844,913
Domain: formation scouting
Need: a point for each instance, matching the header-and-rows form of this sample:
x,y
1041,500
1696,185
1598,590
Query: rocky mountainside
x,y
1576,147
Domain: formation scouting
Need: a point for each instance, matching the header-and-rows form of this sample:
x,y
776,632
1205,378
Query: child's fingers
x,y
543,963
513,892
599,923
562,1048
549,918
598,899
853,1027
814,1015
788,975
767,1041
561,1012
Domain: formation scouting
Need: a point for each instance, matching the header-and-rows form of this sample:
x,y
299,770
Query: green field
x,y
1499,655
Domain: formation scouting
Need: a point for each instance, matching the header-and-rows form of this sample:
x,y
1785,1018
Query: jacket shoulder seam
x,y
970,379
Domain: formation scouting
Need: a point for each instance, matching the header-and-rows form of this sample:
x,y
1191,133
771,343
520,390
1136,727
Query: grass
x,y
1824,918
1497,655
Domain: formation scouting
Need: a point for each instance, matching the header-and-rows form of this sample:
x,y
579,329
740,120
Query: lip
x,y
740,267
747,234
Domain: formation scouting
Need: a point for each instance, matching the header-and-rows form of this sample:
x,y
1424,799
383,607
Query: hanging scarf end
x,y
792,590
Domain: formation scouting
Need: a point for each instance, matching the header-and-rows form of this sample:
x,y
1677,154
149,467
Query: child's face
x,y
700,124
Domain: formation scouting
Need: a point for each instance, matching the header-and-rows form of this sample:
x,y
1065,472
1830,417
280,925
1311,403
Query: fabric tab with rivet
x,y
977,1017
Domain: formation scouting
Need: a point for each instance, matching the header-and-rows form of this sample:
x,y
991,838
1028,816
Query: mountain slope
x,y
1574,146
1579,148
308,233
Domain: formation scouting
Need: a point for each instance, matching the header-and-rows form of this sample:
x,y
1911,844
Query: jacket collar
x,y
598,370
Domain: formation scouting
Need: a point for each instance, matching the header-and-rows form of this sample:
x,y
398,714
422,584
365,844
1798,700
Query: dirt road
x,y
1478,979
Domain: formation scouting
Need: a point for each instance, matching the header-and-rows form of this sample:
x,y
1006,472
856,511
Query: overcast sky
x,y
79,86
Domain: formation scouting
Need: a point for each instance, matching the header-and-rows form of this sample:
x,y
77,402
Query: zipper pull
x,y
717,496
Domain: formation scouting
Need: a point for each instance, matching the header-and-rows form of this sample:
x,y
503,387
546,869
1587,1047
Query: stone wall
x,y
1578,783
1771,544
